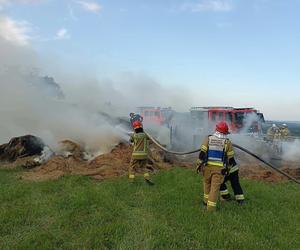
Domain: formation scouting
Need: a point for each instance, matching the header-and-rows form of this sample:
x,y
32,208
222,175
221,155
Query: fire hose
x,y
234,145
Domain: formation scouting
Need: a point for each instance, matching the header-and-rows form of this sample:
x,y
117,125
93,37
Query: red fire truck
x,y
238,119
156,115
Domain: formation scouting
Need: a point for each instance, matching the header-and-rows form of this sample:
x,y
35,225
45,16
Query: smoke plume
x,y
291,150
28,105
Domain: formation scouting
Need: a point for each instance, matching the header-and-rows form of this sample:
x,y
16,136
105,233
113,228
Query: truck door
x,y
213,116
229,120
157,117
220,116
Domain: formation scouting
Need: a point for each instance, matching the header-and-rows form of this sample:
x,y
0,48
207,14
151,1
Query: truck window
x,y
229,117
261,117
239,118
213,116
157,114
151,113
220,116
146,113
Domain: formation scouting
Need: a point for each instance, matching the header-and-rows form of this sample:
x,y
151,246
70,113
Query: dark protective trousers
x,y
235,184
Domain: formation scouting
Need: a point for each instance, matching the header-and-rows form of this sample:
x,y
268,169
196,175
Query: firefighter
x,y
274,138
139,156
215,157
284,131
233,177
135,117
271,132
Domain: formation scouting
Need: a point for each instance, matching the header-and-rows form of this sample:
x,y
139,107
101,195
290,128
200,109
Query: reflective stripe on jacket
x,y
215,153
140,146
233,169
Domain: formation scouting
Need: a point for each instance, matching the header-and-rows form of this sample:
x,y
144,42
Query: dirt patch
x,y
251,168
256,172
295,172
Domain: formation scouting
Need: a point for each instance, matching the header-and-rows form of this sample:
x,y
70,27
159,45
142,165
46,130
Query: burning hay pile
x,y
113,164
70,158
20,147
21,151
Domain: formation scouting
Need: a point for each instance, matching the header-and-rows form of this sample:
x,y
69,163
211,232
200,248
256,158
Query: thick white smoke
x,y
25,109
291,150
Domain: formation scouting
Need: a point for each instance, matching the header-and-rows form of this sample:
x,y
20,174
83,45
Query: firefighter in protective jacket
x,y
215,157
272,132
284,131
139,156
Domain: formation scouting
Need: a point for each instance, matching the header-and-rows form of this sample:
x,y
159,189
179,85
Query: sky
x,y
226,52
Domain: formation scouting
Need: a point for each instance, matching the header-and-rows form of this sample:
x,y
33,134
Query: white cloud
x,y
62,34
208,5
15,31
90,6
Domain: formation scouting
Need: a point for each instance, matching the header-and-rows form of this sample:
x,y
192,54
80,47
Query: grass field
x,y
78,213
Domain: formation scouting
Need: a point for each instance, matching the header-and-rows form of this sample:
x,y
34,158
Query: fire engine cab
x,y
246,120
156,115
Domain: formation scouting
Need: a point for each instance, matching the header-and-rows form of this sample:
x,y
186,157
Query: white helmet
x,y
274,125
284,125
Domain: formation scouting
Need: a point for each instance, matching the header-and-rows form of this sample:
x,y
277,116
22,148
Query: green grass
x,y
78,213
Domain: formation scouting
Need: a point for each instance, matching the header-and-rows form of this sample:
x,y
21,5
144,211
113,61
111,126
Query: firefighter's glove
x,y
199,165
131,141
199,168
225,171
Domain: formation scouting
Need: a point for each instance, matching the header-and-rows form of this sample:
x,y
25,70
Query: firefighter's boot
x,y
147,179
211,206
225,197
149,182
240,199
241,202
131,178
